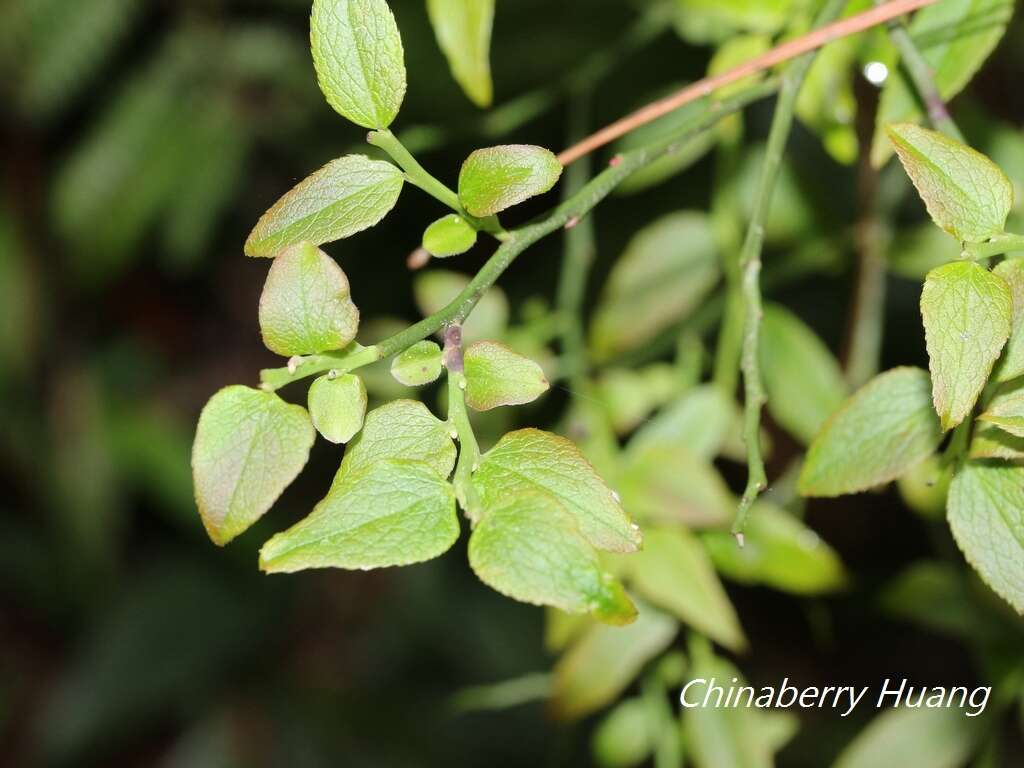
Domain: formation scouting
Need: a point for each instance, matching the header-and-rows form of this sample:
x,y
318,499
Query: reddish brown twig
x,y
777,55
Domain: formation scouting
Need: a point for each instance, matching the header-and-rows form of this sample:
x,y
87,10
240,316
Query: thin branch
x,y
520,239
458,418
750,271
921,74
789,50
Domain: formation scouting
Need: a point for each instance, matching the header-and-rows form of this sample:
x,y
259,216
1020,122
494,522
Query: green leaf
x,y
986,515
348,195
497,178
666,483
531,460
940,737
966,193
778,551
433,290
495,375
306,306
886,427
402,429
628,395
605,660
698,422
359,60
449,236
249,447
722,736
967,312
1007,414
1012,363
528,547
420,364
463,30
924,486
666,271
954,37
827,103
802,378
392,512
625,737
674,573
337,406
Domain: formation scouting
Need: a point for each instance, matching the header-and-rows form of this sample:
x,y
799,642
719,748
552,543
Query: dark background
x,y
126,637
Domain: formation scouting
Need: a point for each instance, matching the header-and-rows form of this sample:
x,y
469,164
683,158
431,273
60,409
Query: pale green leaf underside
x,y
248,448
955,38
991,439
967,313
1012,363
986,515
418,365
528,547
675,573
532,460
359,61
392,512
1007,414
882,430
801,376
497,178
402,429
448,236
667,269
306,305
966,193
463,30
337,406
605,660
346,196
778,551
495,376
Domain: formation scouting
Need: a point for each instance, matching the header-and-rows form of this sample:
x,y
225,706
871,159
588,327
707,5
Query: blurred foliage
x,y
142,140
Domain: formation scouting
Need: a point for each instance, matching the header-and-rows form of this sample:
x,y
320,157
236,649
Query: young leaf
x,y
665,272
940,737
359,61
664,482
966,193
528,547
532,460
605,660
1008,414
497,178
495,375
463,30
392,512
955,38
348,195
402,429
420,364
886,427
674,573
779,551
967,312
306,306
986,515
803,380
448,236
249,447
337,406
1012,363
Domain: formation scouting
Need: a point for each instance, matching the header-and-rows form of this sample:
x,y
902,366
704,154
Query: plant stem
x,y
458,418
342,361
579,253
520,239
750,270
1000,244
920,72
419,176
788,50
